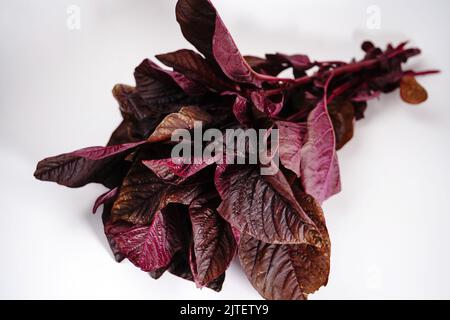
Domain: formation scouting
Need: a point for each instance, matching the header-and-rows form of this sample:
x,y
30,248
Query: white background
x,y
389,226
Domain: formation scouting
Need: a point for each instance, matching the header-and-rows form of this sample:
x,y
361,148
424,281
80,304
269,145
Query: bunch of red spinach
x,y
191,220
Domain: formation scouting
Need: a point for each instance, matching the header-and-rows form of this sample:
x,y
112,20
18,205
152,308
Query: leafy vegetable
x,y
192,219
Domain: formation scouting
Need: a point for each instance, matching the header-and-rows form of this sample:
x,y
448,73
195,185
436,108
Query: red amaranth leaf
x,y
107,166
174,170
73,171
213,242
269,105
98,153
105,197
202,26
319,169
342,114
265,66
142,194
181,267
159,92
241,109
299,62
195,67
292,136
184,119
283,271
149,247
107,225
263,206
155,84
122,93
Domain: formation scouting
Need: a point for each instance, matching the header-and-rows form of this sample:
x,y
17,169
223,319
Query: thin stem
x,y
420,73
340,90
346,68
265,77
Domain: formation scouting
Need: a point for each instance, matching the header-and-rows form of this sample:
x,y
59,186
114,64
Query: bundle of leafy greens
x,y
193,219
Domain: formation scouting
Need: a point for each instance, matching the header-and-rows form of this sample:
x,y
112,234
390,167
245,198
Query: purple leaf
x,y
236,234
108,228
288,271
299,62
73,171
154,82
174,170
142,194
183,119
213,243
181,266
269,105
283,271
202,26
241,108
265,66
342,114
195,67
292,136
160,91
122,93
319,169
263,206
149,247
106,197
98,153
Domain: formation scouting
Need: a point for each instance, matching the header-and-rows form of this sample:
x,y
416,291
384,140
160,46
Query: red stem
x,y
420,73
345,68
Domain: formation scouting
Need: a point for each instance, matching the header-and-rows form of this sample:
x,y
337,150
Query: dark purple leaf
x,y
122,93
142,194
263,206
360,109
107,225
319,169
156,84
98,153
184,119
129,131
174,170
106,197
181,267
283,271
299,62
241,109
73,171
342,114
149,247
202,26
160,91
265,66
195,67
292,136
269,105
213,242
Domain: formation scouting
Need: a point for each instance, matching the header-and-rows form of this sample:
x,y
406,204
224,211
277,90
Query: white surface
x,y
389,226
